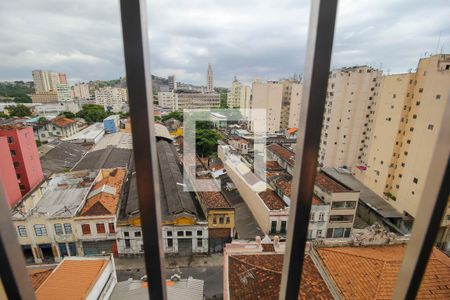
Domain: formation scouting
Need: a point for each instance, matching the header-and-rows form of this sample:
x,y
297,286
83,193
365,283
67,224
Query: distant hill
x,y
16,91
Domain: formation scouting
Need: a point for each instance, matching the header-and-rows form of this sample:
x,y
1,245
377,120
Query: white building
x,y
64,93
195,100
59,127
166,100
210,79
114,99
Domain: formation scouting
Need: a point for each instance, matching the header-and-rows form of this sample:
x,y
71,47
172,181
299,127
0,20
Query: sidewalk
x,y
212,260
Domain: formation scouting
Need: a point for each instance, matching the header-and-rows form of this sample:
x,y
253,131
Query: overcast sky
x,y
244,38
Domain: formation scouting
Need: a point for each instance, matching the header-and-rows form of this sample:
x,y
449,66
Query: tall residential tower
x,y
210,79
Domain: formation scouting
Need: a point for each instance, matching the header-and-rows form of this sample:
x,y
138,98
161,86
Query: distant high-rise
x,y
210,79
172,83
46,81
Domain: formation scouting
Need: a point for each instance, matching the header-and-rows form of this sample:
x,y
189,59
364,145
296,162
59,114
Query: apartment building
x,y
46,81
80,91
281,100
408,117
239,96
96,221
44,219
113,99
172,82
166,100
24,154
349,116
8,176
210,79
63,92
195,100
45,97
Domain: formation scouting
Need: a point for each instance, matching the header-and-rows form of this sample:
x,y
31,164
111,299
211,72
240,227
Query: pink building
x,y
24,154
8,177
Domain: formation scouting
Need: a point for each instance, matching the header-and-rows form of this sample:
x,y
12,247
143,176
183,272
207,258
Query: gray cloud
x,y
243,38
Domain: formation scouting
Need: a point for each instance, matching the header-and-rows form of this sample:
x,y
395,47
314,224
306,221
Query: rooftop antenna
x,y
439,42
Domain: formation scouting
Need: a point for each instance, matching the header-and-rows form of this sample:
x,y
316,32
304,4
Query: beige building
x,y
411,107
210,79
45,97
348,117
45,81
195,100
239,95
166,100
80,91
282,101
114,99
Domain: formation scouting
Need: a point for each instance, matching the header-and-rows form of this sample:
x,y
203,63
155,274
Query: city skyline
x,y
266,45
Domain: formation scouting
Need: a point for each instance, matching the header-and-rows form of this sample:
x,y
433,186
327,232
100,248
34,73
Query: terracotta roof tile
x,y
72,279
371,272
258,276
38,276
62,121
327,183
282,152
214,200
292,130
272,200
273,165
104,202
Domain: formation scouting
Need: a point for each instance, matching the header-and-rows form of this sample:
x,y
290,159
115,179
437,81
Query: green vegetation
x,y
38,143
206,141
42,120
204,125
68,114
223,100
92,113
18,110
175,115
17,91
389,195
3,115
157,118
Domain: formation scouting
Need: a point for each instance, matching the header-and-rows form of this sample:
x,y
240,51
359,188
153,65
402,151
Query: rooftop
x,y
104,196
272,201
62,121
58,156
366,195
325,182
214,200
38,276
283,153
63,195
109,157
273,165
61,284
119,139
371,272
258,276
88,133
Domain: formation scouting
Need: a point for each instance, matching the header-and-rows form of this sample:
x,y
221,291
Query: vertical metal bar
x,y
317,67
13,272
134,30
431,207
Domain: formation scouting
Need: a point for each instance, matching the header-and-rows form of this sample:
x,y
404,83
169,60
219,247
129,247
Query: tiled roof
x,y
101,201
258,276
292,130
272,200
72,279
284,185
214,200
62,121
273,165
38,276
371,272
282,152
317,201
327,183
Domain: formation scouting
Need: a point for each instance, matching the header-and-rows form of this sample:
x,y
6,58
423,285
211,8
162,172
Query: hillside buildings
x,y
50,87
349,116
111,98
282,101
24,155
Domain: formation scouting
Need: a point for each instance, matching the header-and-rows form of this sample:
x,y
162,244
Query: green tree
x,y
157,118
223,100
206,141
22,98
3,115
18,110
42,120
204,125
92,113
175,115
68,114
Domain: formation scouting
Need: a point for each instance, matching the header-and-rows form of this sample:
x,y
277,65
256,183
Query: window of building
x,y
418,103
415,180
438,97
112,228
169,243
10,140
273,228
421,90
22,231
58,229
221,220
199,233
188,233
137,234
127,243
214,220
169,233
100,228
430,126
16,164
311,217
18,175
86,229
180,233
126,234
13,153
341,218
22,187
40,230
67,228
227,220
